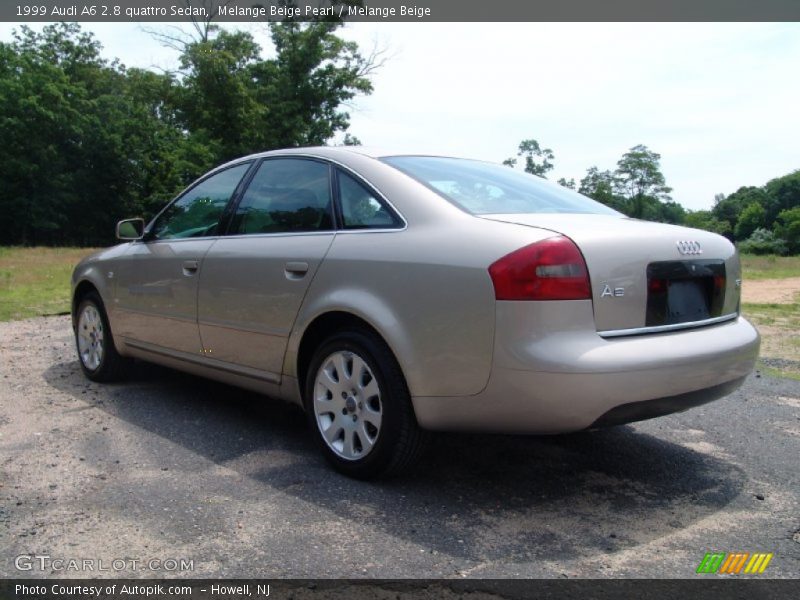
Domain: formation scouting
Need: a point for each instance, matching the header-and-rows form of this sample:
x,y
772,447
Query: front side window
x,y
360,208
286,195
197,212
484,188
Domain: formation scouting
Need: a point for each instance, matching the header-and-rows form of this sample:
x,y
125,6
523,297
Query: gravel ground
x,y
165,466
771,291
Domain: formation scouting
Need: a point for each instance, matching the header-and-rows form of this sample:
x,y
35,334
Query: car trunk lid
x,y
645,274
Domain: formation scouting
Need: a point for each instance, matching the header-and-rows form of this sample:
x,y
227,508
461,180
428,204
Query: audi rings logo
x,y
689,247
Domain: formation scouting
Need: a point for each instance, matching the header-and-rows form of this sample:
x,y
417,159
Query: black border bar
x,y
704,586
400,10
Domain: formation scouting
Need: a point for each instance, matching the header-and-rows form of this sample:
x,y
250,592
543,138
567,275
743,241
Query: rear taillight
x,y
552,269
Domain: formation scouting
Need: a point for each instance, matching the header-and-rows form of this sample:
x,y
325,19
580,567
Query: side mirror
x,y
130,229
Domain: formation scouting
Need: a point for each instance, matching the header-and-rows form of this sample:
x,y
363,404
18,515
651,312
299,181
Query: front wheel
x,y
359,407
99,359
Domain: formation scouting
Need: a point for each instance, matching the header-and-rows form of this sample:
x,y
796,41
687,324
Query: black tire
x,y
111,366
400,441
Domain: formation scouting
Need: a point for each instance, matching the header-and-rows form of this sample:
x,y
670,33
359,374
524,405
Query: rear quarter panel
x,y
426,290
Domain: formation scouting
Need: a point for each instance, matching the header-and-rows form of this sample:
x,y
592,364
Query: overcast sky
x,y
720,102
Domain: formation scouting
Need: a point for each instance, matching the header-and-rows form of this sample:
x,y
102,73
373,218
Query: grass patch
x,y
784,313
779,326
36,281
774,372
769,267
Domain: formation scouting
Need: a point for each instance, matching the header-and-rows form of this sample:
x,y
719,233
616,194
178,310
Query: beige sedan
x,y
394,295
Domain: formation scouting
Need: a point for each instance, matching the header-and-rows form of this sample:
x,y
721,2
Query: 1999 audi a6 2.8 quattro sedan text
x,y
393,295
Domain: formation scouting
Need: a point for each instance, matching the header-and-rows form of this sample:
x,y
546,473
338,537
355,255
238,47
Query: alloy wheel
x,y
90,337
347,405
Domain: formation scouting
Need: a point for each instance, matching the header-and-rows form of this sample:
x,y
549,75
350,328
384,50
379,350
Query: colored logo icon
x,y
734,563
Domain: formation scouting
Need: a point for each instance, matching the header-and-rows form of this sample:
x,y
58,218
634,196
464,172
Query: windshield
x,y
484,188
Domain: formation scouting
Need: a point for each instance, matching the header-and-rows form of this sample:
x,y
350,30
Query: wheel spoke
x,y
332,433
323,405
341,368
84,342
349,443
371,390
373,418
327,378
359,368
367,440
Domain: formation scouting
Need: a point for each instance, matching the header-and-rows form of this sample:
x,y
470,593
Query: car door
x,y
156,299
255,278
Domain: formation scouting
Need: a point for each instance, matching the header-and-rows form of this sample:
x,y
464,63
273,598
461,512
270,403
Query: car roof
x,y
334,151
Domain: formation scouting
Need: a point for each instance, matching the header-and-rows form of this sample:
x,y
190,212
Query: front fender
x,y
98,270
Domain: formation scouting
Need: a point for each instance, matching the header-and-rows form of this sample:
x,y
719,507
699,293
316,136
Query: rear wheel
x,y
99,359
359,407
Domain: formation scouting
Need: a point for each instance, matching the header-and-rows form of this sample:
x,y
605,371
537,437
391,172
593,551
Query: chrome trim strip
x,y
612,333
238,236
332,232
203,361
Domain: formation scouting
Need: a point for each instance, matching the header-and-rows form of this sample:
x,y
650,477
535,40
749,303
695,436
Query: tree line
x,y
761,220
87,141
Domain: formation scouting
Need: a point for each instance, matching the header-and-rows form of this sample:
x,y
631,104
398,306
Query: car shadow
x,y
475,497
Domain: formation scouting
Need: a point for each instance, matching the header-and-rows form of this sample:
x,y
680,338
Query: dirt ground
x,y
771,291
770,306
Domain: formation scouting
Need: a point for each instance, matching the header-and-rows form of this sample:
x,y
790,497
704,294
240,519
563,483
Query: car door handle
x,y
296,270
190,267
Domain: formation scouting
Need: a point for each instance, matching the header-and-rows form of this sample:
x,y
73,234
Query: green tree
x,y
787,228
752,218
671,212
537,159
600,185
246,104
86,141
350,140
314,75
729,208
639,179
49,88
705,219
783,193
569,184
763,241
217,97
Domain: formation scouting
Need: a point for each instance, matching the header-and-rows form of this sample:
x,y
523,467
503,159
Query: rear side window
x,y
286,195
485,188
361,209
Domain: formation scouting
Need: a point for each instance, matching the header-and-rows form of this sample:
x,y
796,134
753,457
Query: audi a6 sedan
x,y
394,295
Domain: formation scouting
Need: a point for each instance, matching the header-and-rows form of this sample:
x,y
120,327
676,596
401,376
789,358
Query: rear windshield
x,y
484,188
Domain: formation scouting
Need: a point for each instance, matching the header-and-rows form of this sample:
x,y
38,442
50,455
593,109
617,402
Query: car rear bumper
x,y
570,378
649,409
